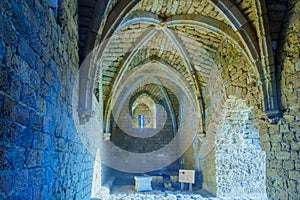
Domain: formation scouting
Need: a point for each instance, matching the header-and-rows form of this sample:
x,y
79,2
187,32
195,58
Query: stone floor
x,y
157,196
127,193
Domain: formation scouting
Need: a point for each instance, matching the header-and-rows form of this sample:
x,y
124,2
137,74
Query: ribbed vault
x,y
193,38
177,32
206,50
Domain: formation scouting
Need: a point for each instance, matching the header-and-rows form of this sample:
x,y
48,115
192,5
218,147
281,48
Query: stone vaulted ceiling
x,y
185,35
163,31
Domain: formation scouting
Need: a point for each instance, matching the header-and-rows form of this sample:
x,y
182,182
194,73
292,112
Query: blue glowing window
x,y
141,121
55,2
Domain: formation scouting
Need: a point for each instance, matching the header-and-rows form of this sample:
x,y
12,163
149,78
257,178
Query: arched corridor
x,y
94,93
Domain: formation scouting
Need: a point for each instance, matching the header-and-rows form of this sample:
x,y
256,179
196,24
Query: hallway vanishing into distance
x,y
150,99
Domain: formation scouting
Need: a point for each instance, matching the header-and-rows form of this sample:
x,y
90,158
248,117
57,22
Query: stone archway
x,y
144,105
242,36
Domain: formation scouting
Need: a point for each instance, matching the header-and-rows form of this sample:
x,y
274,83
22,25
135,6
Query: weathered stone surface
x,y
240,162
157,195
38,64
143,183
30,89
288,153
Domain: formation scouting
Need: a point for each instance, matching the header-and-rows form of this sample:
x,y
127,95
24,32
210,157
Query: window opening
x,y
141,121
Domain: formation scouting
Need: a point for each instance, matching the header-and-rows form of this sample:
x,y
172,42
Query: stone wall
x,y
41,155
231,74
144,145
282,140
240,162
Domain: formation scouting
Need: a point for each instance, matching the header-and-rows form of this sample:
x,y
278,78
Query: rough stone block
x,y
283,195
34,79
297,165
274,129
37,192
39,141
21,114
288,137
264,138
4,161
2,50
174,179
27,137
295,145
40,69
291,185
3,130
294,175
284,128
157,180
15,87
12,158
49,76
27,53
41,104
276,147
7,182
11,36
13,135
49,123
272,173
285,146
28,96
276,138
278,183
275,164
21,180
36,121
1,102
24,194
34,159
294,155
17,158
143,183
288,165
60,144
266,146
4,83
283,155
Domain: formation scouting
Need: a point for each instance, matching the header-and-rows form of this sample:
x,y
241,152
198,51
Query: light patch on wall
x,y
297,66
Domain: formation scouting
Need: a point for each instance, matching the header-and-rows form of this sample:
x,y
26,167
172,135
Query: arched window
x,y
144,112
